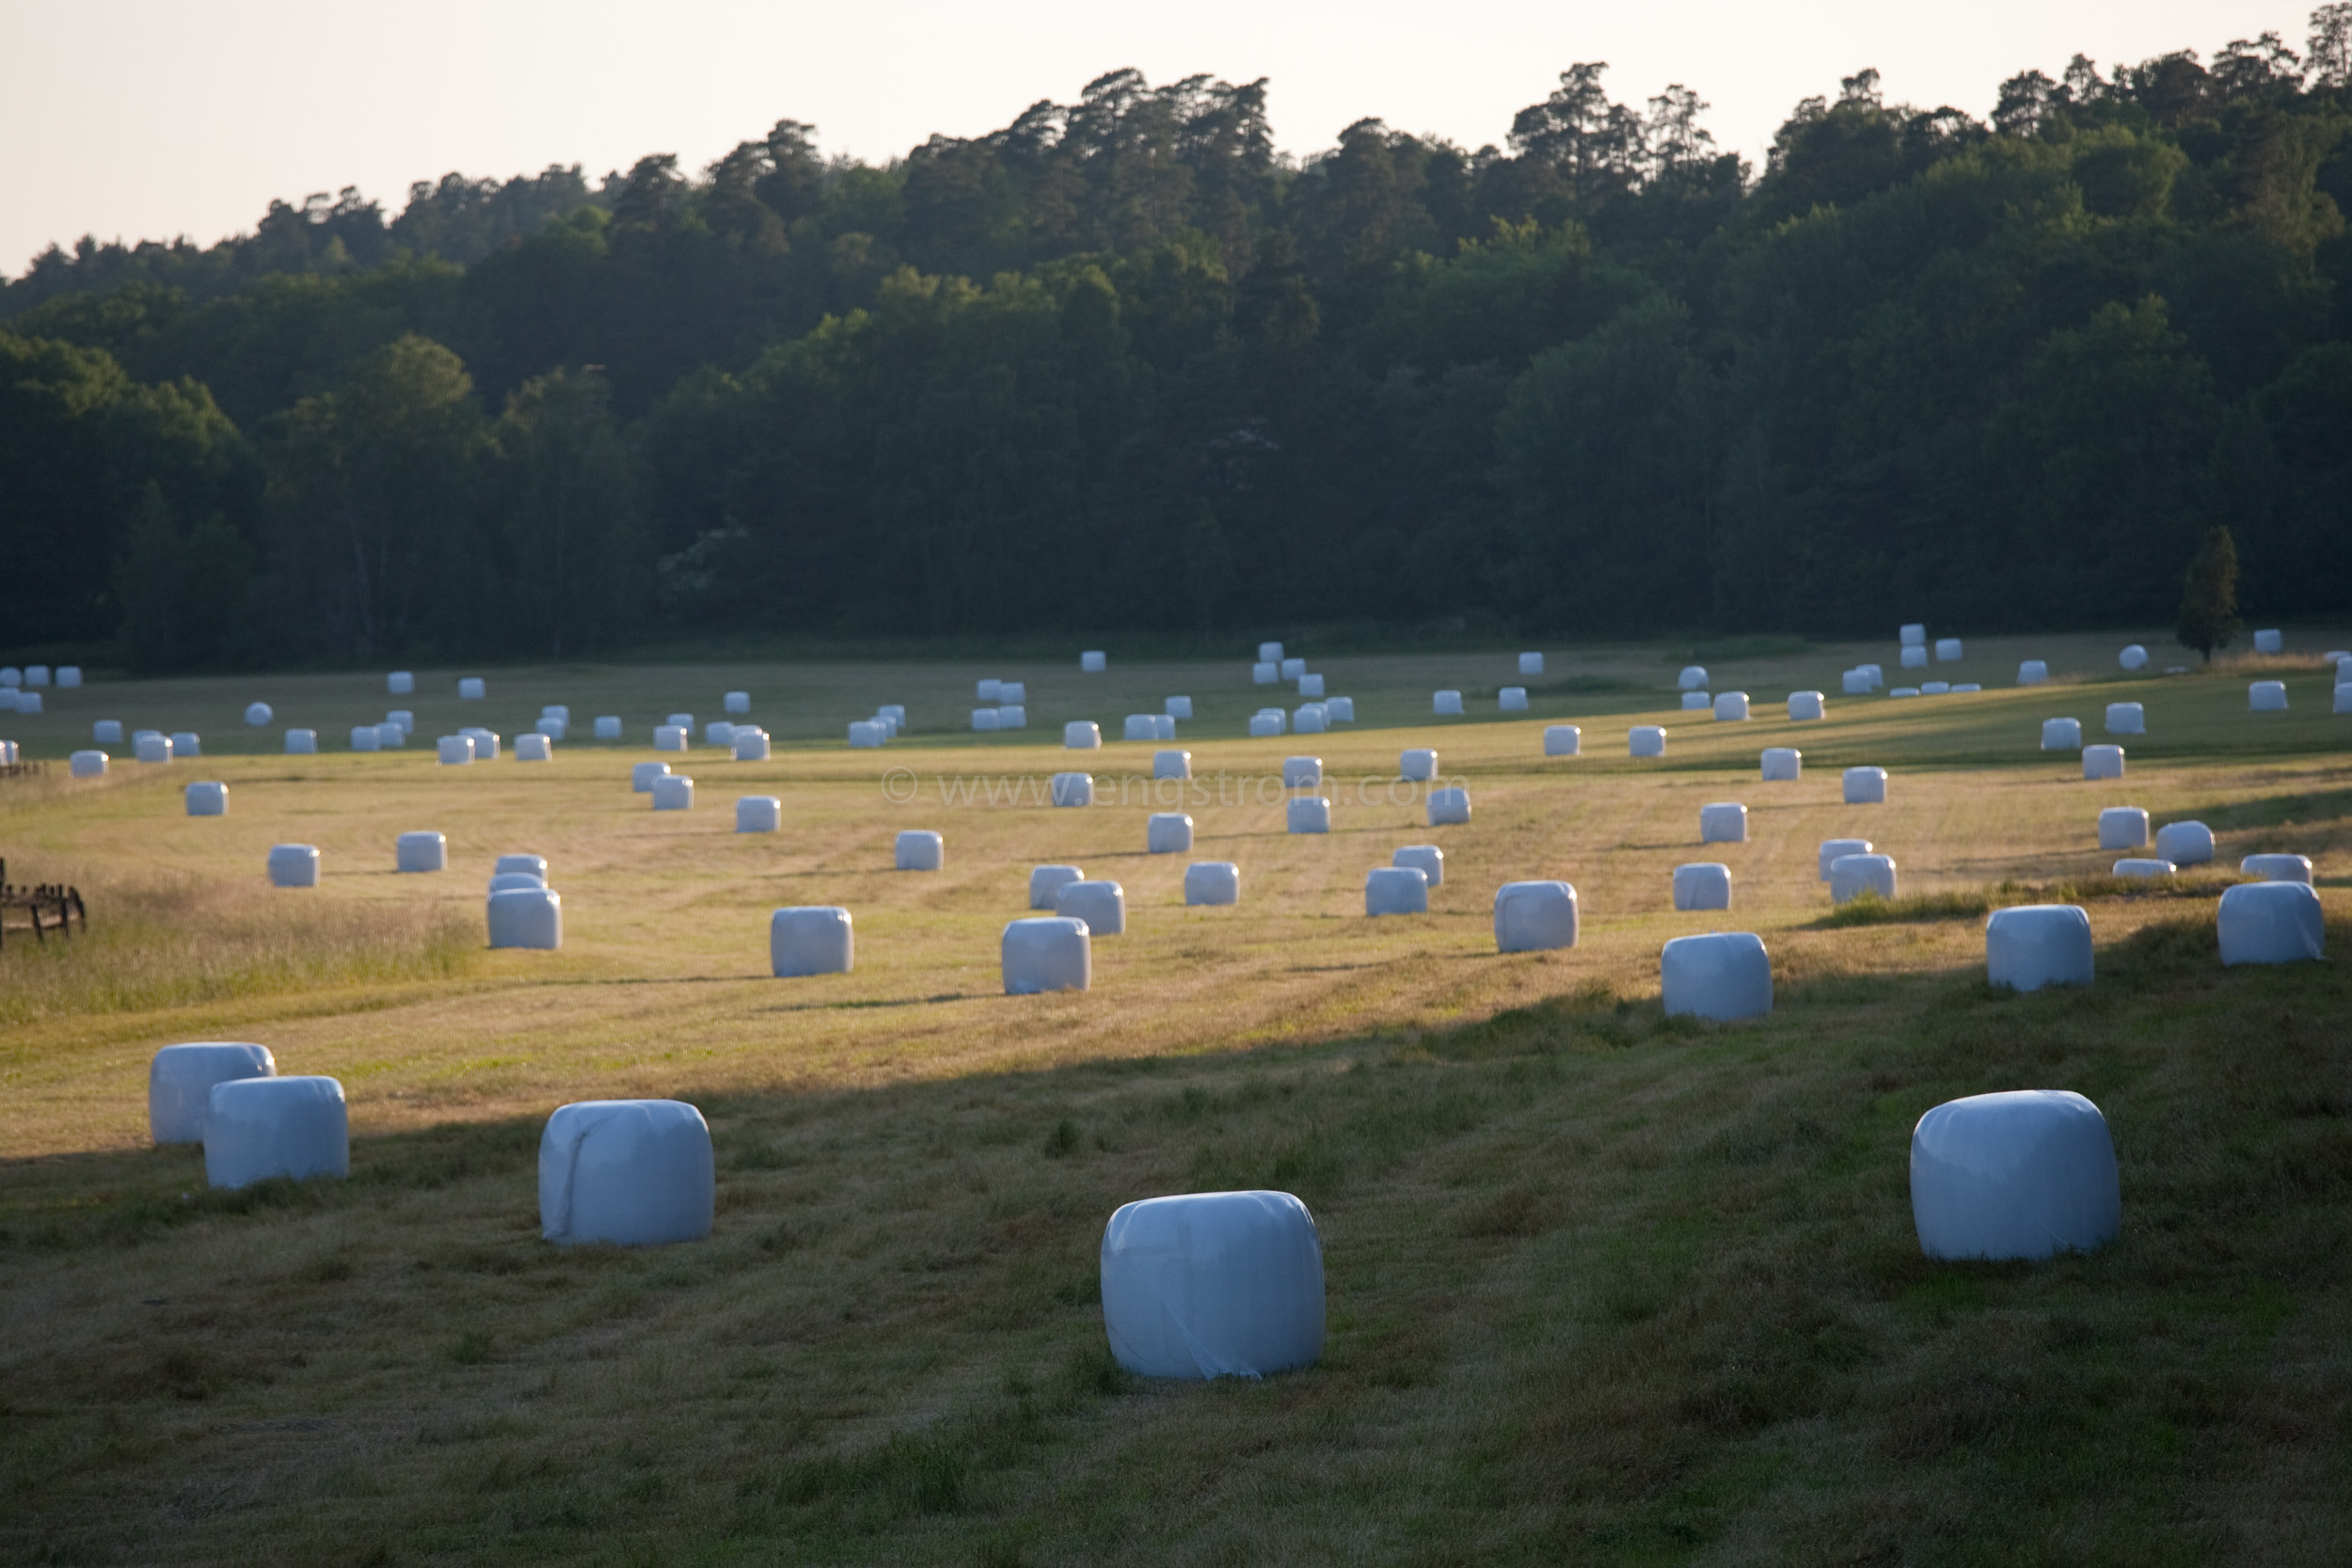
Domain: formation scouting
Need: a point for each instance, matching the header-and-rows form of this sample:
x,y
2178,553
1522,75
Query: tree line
x,y
1121,363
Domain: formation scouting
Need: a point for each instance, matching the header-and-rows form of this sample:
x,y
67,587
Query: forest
x,y
1122,364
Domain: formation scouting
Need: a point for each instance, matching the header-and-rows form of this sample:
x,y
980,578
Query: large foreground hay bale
x,y
2031,945
1395,890
1721,976
2122,827
1723,822
629,1172
293,865
421,851
207,798
1101,906
1167,832
759,813
815,938
920,849
2271,922
1702,885
1046,952
1212,883
256,1127
1046,881
180,1082
2019,1174
1428,859
529,917
1212,1285
1535,917
1865,786
1852,875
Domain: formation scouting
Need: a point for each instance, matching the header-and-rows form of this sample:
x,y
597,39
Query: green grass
x,y
1869,909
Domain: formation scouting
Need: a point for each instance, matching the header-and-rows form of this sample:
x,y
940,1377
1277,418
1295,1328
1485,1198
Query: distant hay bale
x,y
2277,868
1012,693
1731,705
642,774
486,742
1693,678
1093,663
2032,672
1311,685
1428,859
68,677
2103,761
816,939
920,849
1563,740
502,882
683,721
421,851
258,714
1445,703
1210,1285
1266,672
305,743
1530,664
2122,827
1934,689
1164,726
1140,726
106,732
1309,719
534,747
1723,822
1395,890
1212,883
2133,658
895,713
1783,764
867,734
1262,725
1913,635
1101,905
1877,676
405,719
736,702
627,1172
1301,772
751,743
1698,702
400,683
1865,786
719,732
531,865
1947,650
1070,789
36,675
454,751
1724,975
1513,699
1854,683
157,748
1448,807
389,736
1833,849
258,1128
983,718
1012,716
1292,669
2184,843
11,677
1852,875
759,813
1807,705
609,726
179,1080
2266,640
2271,922
1047,880
2013,1177
293,865
1418,765
673,792
556,710
1269,653
1702,885
1339,710
1179,708
1308,815
2136,866
552,727
2266,697
209,797
1081,735
1046,952
989,691
1171,765
471,689
1645,740
527,917
1535,917
2028,947
1167,832
2343,697
28,702
2061,734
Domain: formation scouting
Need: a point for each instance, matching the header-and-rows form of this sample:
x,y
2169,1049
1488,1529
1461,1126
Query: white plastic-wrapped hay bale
x,y
180,1082
2277,868
556,710
1832,849
1081,735
389,736
1212,1284
1852,875
1093,663
1445,701
1177,707
2032,672
522,862
1164,726
419,851
1915,658
1904,691
293,865
1428,859
1070,789
1947,650
1140,726
1702,885
157,748
1310,685
608,726
1167,832
28,702
1047,880
1308,814
989,692
1913,635
1723,822
736,702
1046,952
1563,740
2343,702
87,765
1395,890
1724,975
813,939
2184,843
1731,705
1698,702
486,742
1262,725
751,743
1535,917
1292,669
1645,740
2271,922
1171,765
1783,764
1212,883
2031,945
1301,772
1339,710
552,727
984,718
920,849
1448,807
1269,653
11,677
470,689
2134,657
68,677
2122,827
1416,765
456,751
1805,705
400,683
2266,640
1266,672
2061,734
1693,678
629,1172
105,731
2016,1176
642,774
1934,689
1100,906
2103,761
1513,699
1309,720
1530,664
258,1128
673,792
1865,786
11,753
759,813
895,713
36,675
208,798
719,732
1012,693
530,917
2266,697
2143,868
865,734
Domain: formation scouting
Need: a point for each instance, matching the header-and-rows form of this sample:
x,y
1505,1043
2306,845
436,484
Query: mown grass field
x,y
1602,1287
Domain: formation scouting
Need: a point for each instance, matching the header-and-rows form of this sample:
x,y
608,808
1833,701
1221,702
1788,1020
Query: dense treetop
x,y
1121,364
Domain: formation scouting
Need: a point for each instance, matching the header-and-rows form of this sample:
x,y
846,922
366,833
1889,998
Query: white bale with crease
x,y
1702,885
1448,807
1513,699
1782,765
421,851
1171,765
1418,765
1212,1285
920,849
1428,859
759,813
1731,705
1723,822
180,1082
88,764
2122,827
1834,848
673,792
811,938
157,748
1852,875
1535,917
1140,726
1301,772
1081,735
1212,883
2126,719
1693,678
258,1128
2019,1174
1724,975
1167,832
1865,786
1395,890
2061,734
1803,706
1308,815
2266,697
2277,868
1645,740
629,1172
531,746
1046,952
1563,740
1445,701
2269,641
2028,946
2271,922
529,917
642,774
1047,880
1070,789
751,743
207,798
1100,906
2184,843
2103,761
293,865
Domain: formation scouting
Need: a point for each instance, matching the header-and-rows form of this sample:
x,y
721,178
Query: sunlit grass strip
x,y
1870,909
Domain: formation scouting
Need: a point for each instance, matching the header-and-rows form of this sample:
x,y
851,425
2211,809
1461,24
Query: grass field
x,y
1602,1287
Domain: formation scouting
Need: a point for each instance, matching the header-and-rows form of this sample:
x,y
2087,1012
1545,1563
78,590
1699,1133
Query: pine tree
x,y
2209,596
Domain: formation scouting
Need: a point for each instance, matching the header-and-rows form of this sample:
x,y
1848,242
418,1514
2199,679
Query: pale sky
x,y
150,118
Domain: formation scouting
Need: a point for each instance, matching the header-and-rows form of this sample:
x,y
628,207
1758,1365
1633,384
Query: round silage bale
x,y
1535,917
1094,661
1947,650
2271,922
552,727
1167,832
1915,658
154,747
400,683
2277,868
1416,765
2134,657
1395,890
486,742
2266,697
522,861
1723,822
984,718
1212,1285
1448,807
1693,678
719,732
1913,635
1081,735
1724,975
1852,875
504,881
391,737
1012,716
1309,719
1100,906
673,737
2061,734
68,677
1310,685
1834,848
1698,702
1070,789
2015,1175
1934,689
629,1172
258,714
1854,682
1047,880
2032,672
105,731
869,733
1731,705
421,851
1530,664
1445,703
454,751
1177,707
2269,641
1292,669
1702,885
2103,761
472,689
1645,740
673,792
1269,653
36,675
1339,710
920,849
1309,814
736,702
1265,724
1212,883
1803,706
1865,786
293,865
364,738
811,940
751,743
2028,947
642,775
608,726
1563,740
2140,868
258,1128
759,813
1513,699
526,917
1171,765
531,746
1301,772
180,1081
1783,764
1046,952
1266,672
2122,827
2184,843
87,765
208,798
2343,697
1428,859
